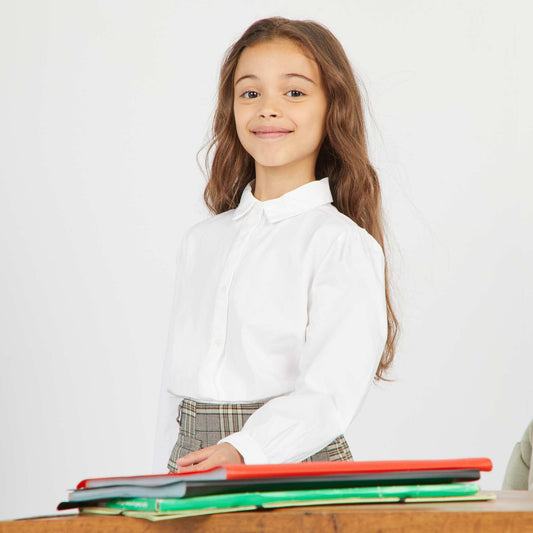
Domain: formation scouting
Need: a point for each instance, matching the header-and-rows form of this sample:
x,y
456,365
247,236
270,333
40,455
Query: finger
x,y
217,458
195,457
203,465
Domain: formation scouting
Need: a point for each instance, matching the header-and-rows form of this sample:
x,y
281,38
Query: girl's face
x,y
277,86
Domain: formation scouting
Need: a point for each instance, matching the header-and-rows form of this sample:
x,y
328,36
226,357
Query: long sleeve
x,y
519,471
167,428
344,340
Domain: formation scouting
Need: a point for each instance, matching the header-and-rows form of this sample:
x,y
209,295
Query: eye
x,y
247,92
291,91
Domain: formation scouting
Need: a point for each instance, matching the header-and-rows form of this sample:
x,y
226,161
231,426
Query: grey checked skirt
x,y
204,424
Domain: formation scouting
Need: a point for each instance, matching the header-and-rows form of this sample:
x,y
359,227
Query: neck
x,y
273,182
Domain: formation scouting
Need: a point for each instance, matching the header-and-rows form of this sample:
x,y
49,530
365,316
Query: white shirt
x,y
281,298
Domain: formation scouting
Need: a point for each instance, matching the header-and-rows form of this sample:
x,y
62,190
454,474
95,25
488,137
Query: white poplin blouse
x,y
281,299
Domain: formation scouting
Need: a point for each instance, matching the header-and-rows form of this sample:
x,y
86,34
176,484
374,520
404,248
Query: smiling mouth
x,y
271,134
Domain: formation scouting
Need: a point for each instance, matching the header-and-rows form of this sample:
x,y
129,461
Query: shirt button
x,y
218,342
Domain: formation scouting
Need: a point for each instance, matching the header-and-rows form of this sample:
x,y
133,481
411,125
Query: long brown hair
x,y
342,157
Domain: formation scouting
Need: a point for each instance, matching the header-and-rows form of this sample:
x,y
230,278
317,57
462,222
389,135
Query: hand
x,y
219,454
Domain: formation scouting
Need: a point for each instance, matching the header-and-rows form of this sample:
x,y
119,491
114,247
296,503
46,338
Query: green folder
x,y
170,515
290,497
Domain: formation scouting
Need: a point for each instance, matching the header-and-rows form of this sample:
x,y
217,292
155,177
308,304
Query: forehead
x,y
278,55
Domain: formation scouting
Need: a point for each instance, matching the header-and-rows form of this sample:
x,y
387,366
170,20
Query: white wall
x,y
103,107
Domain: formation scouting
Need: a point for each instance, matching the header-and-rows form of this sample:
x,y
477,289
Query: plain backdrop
x,y
104,106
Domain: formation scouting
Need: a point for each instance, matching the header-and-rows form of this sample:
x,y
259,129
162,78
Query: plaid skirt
x,y
204,424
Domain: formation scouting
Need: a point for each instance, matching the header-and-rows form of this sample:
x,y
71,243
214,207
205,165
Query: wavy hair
x,y
343,155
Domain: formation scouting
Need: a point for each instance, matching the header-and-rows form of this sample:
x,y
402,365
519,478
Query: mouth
x,y
271,134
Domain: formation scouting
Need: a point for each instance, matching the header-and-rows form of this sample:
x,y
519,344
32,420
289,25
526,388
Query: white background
x,y
104,105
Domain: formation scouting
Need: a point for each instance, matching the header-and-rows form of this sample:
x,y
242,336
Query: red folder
x,y
243,471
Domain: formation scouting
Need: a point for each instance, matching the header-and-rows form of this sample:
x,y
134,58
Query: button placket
x,y
250,223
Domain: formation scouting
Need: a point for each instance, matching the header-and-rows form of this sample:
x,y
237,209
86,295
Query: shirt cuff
x,y
247,447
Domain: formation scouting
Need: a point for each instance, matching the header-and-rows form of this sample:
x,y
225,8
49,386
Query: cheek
x,y
320,121
315,125
311,119
241,126
241,119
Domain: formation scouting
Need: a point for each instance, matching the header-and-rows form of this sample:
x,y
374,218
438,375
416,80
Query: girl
x,y
281,315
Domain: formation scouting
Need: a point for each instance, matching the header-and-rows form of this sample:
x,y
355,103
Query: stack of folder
x,y
243,487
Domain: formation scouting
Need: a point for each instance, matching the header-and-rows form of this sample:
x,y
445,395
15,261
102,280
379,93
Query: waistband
x,y
193,408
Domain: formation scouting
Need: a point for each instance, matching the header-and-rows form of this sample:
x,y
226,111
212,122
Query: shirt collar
x,y
291,203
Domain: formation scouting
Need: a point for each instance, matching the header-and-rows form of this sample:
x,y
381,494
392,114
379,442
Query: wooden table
x,y
512,511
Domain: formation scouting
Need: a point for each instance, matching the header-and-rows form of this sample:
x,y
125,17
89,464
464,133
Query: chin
x,y
271,163
271,160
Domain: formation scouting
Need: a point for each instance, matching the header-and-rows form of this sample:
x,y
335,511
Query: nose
x,y
269,108
273,114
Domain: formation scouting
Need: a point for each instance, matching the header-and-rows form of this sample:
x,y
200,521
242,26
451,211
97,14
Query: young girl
x,y
281,317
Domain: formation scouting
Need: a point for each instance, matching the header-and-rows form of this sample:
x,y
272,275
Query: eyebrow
x,y
289,75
